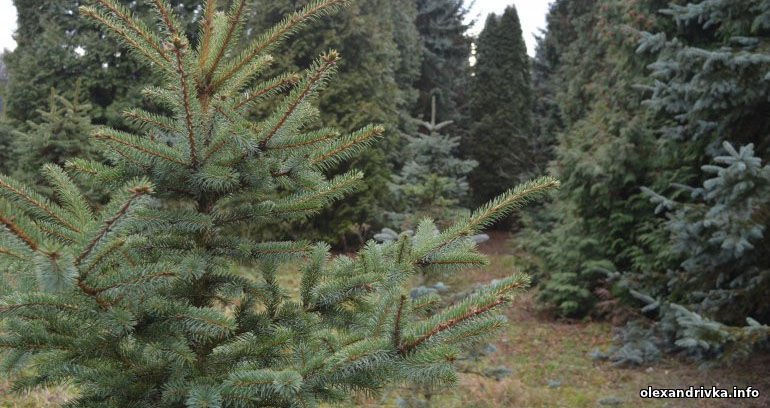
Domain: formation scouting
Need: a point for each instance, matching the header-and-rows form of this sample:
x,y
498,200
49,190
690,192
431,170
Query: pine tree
x,y
446,52
501,99
138,305
432,182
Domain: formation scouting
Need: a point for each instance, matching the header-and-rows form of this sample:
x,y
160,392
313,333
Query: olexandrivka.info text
x,y
699,392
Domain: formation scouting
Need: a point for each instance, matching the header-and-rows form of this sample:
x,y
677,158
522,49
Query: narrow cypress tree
x,y
138,305
500,107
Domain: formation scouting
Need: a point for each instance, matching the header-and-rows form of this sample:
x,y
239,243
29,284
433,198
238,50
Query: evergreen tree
x,y
721,237
55,46
710,87
501,102
6,131
601,221
138,304
432,182
62,134
446,52
375,84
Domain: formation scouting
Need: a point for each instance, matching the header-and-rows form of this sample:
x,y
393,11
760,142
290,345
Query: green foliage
x,y
62,134
500,104
446,52
138,305
432,182
701,68
606,149
375,84
55,46
725,272
711,85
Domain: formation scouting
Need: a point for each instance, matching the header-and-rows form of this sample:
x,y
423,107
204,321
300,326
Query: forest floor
x,y
549,360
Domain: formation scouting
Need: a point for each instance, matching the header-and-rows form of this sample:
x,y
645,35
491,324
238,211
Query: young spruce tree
x,y
62,133
138,304
433,181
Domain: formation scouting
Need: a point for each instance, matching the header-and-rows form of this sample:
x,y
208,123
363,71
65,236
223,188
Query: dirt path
x,y
552,368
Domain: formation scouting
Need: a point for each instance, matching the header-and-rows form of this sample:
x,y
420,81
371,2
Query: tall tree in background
x,y
501,104
712,89
381,63
601,220
446,52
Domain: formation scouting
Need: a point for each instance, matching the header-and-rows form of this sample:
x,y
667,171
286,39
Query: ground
x,y
549,360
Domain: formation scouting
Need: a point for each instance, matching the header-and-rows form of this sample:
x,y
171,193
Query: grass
x,y
539,351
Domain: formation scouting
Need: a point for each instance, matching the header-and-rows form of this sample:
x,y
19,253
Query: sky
x,y
531,13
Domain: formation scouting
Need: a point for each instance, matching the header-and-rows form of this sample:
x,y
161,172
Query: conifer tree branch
x,y
11,253
396,338
116,246
126,140
268,88
207,28
136,280
131,23
86,11
495,209
406,348
184,83
167,18
297,19
145,117
322,137
329,61
37,203
17,231
52,231
381,319
137,192
235,19
6,308
363,137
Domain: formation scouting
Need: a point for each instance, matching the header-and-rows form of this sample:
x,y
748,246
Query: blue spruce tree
x,y
138,304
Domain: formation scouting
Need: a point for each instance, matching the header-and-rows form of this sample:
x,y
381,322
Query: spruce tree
x,y
501,99
62,134
375,85
138,304
446,52
709,71
606,150
432,182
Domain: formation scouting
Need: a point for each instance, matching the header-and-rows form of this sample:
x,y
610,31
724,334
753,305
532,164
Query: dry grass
x,y
538,350
49,397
